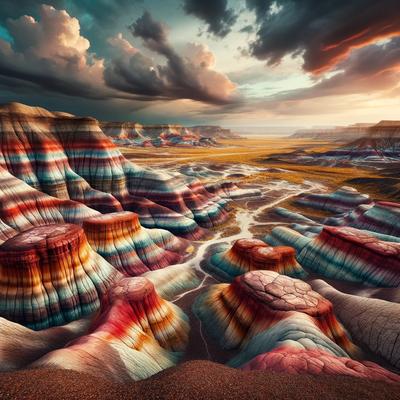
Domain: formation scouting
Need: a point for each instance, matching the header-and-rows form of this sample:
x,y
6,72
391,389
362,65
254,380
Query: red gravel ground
x,y
192,380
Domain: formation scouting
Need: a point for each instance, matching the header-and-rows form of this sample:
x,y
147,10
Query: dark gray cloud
x,y
188,76
325,32
215,13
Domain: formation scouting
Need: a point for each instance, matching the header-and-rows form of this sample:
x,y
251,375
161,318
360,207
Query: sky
x,y
247,63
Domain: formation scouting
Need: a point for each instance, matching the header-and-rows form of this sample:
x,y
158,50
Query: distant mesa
x,y
338,133
51,276
257,301
373,323
344,199
378,144
344,253
71,159
135,134
136,335
214,132
251,254
130,248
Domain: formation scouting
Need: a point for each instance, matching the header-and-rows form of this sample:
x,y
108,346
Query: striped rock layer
x,y
130,248
70,158
344,199
297,331
255,302
49,275
251,254
136,335
296,345
373,323
382,217
23,207
286,359
345,253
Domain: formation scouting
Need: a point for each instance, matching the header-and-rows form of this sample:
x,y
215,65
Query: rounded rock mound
x,y
258,300
132,249
49,276
135,335
252,254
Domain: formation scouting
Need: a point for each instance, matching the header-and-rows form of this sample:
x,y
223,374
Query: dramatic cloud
x,y
215,13
184,76
373,68
325,32
51,54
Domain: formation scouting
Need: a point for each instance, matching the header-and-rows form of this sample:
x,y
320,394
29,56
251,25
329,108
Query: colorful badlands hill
x,y
344,199
135,134
381,217
344,253
256,301
251,254
70,158
373,323
49,276
281,325
130,248
135,335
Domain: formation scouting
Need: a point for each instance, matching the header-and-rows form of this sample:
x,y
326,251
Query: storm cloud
x,y
184,76
215,13
324,32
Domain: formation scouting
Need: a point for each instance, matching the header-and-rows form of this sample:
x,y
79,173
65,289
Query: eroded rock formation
x,y
255,302
342,200
49,276
344,253
246,255
373,323
70,158
382,217
130,248
136,335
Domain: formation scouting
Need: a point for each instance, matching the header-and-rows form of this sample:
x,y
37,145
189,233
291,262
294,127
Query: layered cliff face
x,y
23,207
342,200
130,248
251,254
71,158
257,302
338,133
381,140
344,253
136,335
49,276
213,132
374,323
